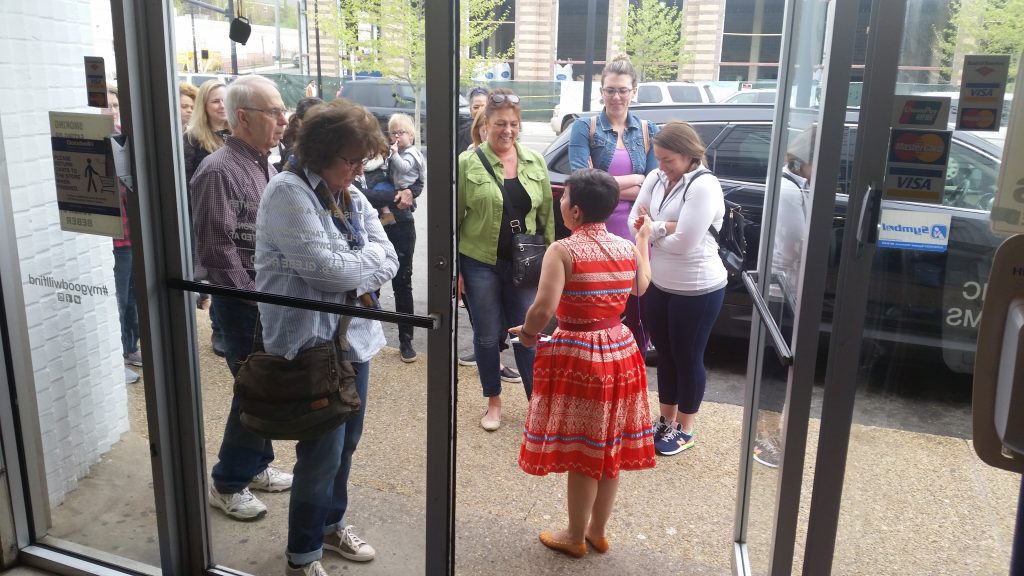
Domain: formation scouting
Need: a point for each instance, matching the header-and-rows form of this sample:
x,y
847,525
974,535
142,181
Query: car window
x,y
648,95
742,153
684,93
971,178
561,162
765,98
708,132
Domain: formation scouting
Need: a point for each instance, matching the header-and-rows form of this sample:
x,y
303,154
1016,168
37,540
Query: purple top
x,y
618,222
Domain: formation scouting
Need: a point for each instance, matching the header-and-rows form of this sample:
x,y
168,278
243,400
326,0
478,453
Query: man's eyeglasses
x,y
272,112
500,98
609,92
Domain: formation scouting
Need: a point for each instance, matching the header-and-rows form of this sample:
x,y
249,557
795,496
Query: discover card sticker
x,y
910,230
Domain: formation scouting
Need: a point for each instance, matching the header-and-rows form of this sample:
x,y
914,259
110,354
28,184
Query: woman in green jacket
x,y
487,216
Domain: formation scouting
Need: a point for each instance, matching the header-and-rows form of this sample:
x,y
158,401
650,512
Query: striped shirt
x,y
226,191
301,253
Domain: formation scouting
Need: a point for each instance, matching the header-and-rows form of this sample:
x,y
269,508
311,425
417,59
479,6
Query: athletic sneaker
x,y
312,569
673,441
240,505
271,480
135,359
766,452
350,546
468,360
130,377
660,427
407,352
510,375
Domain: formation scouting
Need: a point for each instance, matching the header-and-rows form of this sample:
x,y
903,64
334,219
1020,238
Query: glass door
x,y
858,416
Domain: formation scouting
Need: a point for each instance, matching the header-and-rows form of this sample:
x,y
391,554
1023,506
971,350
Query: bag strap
x,y
647,136
711,228
504,193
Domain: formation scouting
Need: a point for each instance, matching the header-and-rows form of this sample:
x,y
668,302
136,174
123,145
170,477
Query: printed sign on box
x,y
981,92
910,230
96,81
926,112
916,166
87,193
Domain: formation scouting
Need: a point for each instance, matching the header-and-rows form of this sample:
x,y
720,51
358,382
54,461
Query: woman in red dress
x,y
589,414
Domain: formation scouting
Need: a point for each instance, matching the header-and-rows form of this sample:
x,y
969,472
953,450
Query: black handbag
x,y
527,249
298,399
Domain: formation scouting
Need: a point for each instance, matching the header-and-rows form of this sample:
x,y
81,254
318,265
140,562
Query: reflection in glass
x,y
90,472
911,469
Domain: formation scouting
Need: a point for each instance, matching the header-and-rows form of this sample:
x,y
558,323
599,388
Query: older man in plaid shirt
x,y
226,191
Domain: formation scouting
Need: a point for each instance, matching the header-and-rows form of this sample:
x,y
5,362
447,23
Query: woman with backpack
x,y
683,202
619,143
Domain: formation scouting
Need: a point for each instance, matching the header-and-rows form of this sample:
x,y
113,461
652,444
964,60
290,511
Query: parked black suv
x,y
383,97
916,298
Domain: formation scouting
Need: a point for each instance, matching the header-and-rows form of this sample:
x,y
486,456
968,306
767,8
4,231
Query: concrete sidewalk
x,y
903,493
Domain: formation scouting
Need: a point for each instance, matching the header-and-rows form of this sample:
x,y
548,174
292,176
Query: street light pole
x,y
588,56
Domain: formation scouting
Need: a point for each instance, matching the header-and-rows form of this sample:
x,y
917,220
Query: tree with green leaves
x,y
982,27
654,40
387,36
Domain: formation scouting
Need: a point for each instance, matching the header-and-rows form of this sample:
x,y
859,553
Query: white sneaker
x,y
240,505
312,569
271,480
350,546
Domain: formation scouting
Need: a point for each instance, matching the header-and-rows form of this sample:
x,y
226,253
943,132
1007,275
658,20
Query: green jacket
x,y
478,212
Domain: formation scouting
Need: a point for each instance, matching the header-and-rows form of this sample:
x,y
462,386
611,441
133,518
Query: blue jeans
x,y
243,454
124,288
319,495
496,305
680,327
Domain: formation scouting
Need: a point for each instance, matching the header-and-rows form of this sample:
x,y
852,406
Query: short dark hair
x,y
339,126
478,91
594,191
295,120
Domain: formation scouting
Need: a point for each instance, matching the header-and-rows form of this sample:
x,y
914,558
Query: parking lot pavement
x,y
912,484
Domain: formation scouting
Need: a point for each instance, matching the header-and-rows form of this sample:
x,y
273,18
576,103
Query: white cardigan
x,y
687,260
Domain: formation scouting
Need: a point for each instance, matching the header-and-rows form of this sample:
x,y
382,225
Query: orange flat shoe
x,y
599,544
574,550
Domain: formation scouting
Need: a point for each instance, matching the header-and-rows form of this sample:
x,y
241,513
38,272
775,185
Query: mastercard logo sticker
x,y
910,147
978,118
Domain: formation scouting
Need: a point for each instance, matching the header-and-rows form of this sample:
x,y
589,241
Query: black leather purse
x,y
527,249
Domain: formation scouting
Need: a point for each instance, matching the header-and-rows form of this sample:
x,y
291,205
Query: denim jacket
x,y
604,142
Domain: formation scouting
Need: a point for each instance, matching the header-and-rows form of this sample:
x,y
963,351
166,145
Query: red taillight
x,y
556,190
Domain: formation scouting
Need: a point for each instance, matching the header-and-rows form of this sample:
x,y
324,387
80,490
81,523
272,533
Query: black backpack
x,y
732,244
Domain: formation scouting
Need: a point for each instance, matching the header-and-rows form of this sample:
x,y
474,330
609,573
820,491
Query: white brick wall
x,y
75,349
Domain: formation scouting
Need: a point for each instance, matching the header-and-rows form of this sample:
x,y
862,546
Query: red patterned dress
x,y
589,411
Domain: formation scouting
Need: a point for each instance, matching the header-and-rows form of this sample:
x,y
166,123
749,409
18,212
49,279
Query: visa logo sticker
x,y
912,230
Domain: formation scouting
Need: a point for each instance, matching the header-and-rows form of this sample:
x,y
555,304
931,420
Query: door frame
x,y
145,57
838,47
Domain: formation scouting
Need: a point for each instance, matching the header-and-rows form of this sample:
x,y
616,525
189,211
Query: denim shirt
x,y
580,150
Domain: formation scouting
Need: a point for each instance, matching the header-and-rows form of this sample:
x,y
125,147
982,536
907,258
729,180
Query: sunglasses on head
x,y
500,98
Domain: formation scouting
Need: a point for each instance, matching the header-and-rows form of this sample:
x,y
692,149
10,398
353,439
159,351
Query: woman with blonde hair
x,y
208,126
681,200
205,134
